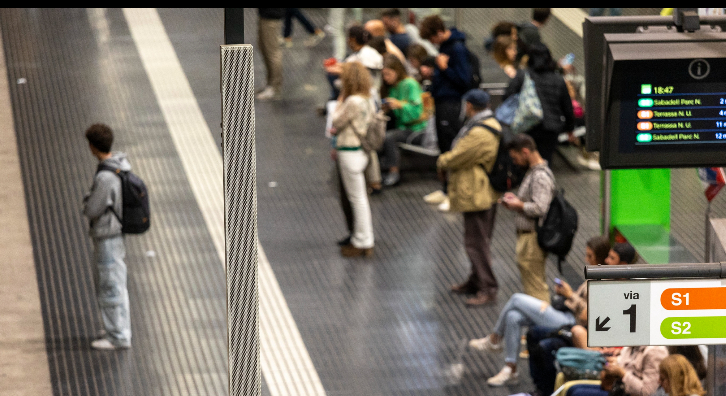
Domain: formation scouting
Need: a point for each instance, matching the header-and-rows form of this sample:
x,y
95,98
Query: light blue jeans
x,y
111,292
524,310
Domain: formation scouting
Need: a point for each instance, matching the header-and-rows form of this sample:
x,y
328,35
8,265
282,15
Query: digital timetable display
x,y
668,113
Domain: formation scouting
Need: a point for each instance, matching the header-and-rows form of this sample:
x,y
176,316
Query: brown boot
x,y
464,288
481,298
352,251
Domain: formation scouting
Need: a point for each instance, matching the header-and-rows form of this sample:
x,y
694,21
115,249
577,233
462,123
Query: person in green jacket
x,y
402,100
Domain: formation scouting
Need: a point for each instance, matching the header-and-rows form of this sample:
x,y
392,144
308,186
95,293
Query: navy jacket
x,y
452,83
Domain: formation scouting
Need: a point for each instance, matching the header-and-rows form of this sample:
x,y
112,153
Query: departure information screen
x,y
672,105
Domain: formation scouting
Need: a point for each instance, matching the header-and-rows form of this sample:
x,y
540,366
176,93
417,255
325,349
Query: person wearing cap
x,y
472,155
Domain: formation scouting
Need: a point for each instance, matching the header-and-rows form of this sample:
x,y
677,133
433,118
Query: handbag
x,y
529,112
577,363
505,112
375,131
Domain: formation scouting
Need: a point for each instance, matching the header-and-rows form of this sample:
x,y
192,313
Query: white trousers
x,y
352,166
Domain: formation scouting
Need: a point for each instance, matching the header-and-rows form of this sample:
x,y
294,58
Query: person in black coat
x,y
552,91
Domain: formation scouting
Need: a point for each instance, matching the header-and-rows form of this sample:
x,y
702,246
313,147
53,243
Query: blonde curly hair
x,y
355,80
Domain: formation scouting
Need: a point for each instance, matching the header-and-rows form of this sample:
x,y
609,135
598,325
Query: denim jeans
x,y
524,310
111,292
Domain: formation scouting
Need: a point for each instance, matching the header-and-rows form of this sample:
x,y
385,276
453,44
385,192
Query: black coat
x,y
552,92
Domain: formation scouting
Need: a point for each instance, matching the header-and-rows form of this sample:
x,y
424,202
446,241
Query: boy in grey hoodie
x,y
103,207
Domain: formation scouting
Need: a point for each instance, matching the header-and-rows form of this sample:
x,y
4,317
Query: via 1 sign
x,y
656,312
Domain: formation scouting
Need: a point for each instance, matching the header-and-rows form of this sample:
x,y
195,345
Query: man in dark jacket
x,y
103,207
452,77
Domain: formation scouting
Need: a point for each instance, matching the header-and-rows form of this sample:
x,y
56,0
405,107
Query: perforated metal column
x,y
240,218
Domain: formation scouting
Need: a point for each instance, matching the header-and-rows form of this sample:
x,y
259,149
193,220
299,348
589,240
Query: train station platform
x,y
385,325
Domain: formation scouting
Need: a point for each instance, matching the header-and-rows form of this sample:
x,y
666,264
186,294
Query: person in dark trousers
x,y
101,206
552,91
472,155
316,34
544,341
452,78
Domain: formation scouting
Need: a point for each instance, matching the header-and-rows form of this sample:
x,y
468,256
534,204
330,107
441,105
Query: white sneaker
x,y
484,345
505,377
314,39
435,197
104,344
593,165
444,206
267,94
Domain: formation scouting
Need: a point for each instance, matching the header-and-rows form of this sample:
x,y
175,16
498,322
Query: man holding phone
x,y
531,204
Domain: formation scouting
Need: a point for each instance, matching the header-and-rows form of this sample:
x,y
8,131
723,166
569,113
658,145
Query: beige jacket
x,y
641,368
469,187
354,112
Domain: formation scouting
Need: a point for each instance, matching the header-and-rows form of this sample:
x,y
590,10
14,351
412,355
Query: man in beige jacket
x,y
471,157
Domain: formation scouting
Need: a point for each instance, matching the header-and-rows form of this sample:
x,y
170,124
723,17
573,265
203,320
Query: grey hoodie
x,y
106,194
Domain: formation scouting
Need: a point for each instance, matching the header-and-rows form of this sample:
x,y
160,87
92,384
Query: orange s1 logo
x,y
645,126
645,114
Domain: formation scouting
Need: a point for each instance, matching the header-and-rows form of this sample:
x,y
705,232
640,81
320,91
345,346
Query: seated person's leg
x,y
392,155
579,337
587,390
334,91
541,357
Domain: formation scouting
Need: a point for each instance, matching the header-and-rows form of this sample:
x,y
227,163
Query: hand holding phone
x,y
558,281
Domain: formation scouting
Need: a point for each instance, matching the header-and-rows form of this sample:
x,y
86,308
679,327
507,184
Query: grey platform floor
x,y
382,326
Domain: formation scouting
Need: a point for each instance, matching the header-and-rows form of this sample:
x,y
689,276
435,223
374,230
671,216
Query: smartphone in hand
x,y
558,281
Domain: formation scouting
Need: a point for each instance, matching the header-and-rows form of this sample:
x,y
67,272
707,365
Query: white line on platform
x,y
285,362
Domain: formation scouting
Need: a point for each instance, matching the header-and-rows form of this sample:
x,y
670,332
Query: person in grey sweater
x,y
103,208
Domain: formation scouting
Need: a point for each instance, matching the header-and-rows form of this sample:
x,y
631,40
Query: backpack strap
x,y
490,129
117,172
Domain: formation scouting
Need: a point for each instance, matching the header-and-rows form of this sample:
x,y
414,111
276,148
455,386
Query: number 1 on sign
x,y
631,311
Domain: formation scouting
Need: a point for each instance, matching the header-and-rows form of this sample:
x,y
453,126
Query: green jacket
x,y
408,117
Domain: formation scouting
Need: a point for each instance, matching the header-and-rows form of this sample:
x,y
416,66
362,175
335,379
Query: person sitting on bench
x,y
402,100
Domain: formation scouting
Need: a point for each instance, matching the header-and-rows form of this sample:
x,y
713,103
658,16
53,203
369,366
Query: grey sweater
x,y
106,194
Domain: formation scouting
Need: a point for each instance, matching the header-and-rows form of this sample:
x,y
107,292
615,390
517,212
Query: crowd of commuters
x,y
422,77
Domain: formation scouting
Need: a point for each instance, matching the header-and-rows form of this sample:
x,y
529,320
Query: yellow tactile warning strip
x,y
571,17
23,360
285,362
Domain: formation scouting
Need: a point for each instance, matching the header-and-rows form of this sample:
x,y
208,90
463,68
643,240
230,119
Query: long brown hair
x,y
600,246
355,79
392,62
681,376
499,50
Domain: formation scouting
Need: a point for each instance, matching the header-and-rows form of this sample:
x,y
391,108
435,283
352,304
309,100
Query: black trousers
x,y
447,113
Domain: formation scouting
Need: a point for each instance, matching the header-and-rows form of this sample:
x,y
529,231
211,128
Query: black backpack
x,y
135,202
558,229
475,69
505,174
